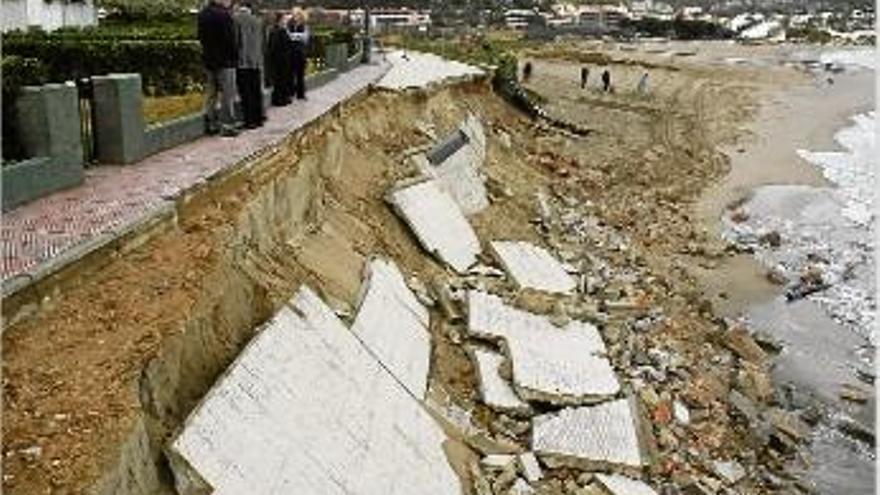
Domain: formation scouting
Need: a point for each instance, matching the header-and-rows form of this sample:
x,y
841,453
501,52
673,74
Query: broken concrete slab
x,y
560,365
529,467
616,484
495,391
437,222
455,164
416,70
305,408
496,462
393,324
533,267
588,437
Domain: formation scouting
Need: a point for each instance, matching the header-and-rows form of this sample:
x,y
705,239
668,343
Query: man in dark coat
x,y
249,76
217,37
281,62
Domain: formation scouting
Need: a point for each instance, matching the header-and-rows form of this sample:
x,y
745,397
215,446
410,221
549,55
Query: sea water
x,y
828,229
830,334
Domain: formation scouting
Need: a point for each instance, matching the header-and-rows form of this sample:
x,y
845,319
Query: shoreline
x,y
819,355
786,121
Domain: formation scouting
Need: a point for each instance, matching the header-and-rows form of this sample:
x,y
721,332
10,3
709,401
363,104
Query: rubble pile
x,y
592,374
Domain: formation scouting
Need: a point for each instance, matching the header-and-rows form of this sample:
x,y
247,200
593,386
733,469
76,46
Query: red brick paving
x,y
114,197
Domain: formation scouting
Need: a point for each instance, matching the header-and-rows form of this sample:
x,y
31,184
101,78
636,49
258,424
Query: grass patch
x,y
163,108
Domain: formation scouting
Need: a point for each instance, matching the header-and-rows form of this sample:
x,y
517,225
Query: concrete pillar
x,y
119,118
49,122
49,130
336,56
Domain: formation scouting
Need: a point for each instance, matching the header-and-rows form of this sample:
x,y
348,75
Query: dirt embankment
x,y
98,381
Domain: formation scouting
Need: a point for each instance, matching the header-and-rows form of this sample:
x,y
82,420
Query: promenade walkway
x,y
42,236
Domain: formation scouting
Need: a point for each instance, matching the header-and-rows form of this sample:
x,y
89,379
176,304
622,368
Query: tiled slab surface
x,y
306,409
115,197
550,364
438,223
394,326
594,435
533,267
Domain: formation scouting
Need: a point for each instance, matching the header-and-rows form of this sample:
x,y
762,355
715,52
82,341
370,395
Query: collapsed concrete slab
x,y
616,484
455,164
394,326
437,222
550,364
495,391
305,408
415,70
588,437
533,267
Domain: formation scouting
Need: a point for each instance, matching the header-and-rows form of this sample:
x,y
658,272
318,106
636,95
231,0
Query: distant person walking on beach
x,y
585,74
606,81
281,62
299,35
642,88
249,76
527,72
217,36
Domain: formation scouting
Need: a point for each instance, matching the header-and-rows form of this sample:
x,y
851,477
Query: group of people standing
x,y
234,48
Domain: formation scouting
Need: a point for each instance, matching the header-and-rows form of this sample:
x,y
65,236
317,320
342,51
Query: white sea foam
x,y
852,169
865,58
828,228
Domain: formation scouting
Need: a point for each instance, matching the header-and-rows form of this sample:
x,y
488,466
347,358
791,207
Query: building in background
x,y
398,19
48,15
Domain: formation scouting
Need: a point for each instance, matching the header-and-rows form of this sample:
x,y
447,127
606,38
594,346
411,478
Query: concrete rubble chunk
x,y
393,325
533,267
561,365
496,462
530,468
438,223
494,390
729,471
588,437
455,164
305,408
616,484
681,413
521,487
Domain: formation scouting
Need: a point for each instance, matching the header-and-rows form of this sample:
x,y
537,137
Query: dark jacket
x,y
217,36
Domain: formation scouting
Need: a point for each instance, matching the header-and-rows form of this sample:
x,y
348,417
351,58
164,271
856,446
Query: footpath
x,y
41,237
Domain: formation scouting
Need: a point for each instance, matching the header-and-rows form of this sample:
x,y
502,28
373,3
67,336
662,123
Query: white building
x,y
22,14
519,18
393,19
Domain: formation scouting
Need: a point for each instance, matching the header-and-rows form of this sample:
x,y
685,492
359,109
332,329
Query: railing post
x,y
49,122
119,118
49,130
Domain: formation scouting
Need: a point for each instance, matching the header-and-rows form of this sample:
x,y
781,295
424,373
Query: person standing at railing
x,y
217,37
299,35
281,62
249,37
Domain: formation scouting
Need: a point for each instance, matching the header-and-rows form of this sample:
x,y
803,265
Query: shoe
x,y
230,132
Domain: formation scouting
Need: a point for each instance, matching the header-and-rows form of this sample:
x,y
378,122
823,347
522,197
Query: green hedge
x,y
168,57
17,72
166,66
